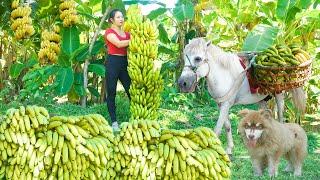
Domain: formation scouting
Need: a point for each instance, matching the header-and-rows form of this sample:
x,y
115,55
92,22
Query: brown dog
x,y
267,140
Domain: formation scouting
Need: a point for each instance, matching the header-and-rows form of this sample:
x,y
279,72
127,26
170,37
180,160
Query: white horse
x,y
227,82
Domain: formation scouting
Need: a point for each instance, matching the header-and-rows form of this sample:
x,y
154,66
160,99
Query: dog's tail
x,y
299,99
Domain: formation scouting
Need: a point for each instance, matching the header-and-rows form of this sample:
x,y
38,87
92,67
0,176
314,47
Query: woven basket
x,y
278,79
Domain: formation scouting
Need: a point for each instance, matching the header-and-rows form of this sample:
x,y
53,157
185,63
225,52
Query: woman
x,y
117,42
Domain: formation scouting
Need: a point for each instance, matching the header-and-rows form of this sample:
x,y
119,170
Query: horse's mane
x,y
215,54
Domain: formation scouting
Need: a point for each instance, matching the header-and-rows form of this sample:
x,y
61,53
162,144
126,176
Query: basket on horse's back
x,y
280,69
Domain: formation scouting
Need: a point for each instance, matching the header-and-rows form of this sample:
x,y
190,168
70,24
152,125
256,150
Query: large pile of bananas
x,y
21,22
283,55
33,145
143,151
146,80
68,13
50,46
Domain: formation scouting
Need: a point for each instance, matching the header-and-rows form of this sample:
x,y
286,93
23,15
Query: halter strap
x,y
194,69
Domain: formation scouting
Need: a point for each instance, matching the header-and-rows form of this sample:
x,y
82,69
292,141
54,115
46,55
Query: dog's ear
x,y
243,112
266,113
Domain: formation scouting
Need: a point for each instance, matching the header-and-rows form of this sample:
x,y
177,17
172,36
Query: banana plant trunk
x,y
87,62
182,43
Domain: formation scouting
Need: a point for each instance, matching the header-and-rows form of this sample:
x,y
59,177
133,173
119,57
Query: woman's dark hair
x,y
112,14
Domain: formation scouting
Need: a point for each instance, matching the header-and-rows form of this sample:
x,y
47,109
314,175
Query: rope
x,y
237,84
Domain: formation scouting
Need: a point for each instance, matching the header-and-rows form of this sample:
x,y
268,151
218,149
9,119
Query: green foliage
x,y
229,22
64,80
183,11
70,39
313,89
119,5
78,84
81,53
93,91
64,59
97,69
97,46
314,141
104,5
156,13
16,69
260,38
5,7
36,84
282,8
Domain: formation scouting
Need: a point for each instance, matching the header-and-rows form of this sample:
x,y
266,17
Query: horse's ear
x,y
243,112
266,113
208,43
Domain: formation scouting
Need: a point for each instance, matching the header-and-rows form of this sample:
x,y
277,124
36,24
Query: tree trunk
x,y
86,64
181,42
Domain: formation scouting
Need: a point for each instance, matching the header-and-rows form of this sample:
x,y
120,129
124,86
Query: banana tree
x,y
65,76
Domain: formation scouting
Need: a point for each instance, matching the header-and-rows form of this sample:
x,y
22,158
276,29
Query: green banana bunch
x,y
146,80
282,55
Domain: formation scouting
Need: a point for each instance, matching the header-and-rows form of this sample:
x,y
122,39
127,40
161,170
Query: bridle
x,y
194,68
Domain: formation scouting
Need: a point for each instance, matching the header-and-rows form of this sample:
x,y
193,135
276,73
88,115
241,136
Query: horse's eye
x,y
197,59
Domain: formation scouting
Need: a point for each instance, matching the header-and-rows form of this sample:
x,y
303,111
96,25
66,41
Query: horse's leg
x,y
263,104
227,125
223,116
280,106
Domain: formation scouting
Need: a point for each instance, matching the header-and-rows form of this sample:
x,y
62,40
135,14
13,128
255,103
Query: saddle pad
x,y
253,86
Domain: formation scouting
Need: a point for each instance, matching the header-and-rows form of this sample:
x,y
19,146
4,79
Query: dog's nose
x,y
251,136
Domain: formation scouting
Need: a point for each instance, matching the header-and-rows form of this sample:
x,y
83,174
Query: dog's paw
x,y
273,175
288,169
297,173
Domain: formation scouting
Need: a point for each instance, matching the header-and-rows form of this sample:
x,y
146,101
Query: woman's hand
x,y
112,38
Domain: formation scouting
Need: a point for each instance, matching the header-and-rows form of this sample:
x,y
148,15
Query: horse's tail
x,y
299,99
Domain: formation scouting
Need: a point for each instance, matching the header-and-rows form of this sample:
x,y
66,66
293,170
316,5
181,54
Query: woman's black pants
x,y
116,69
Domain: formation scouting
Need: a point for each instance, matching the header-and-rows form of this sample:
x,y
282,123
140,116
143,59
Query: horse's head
x,y
196,64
